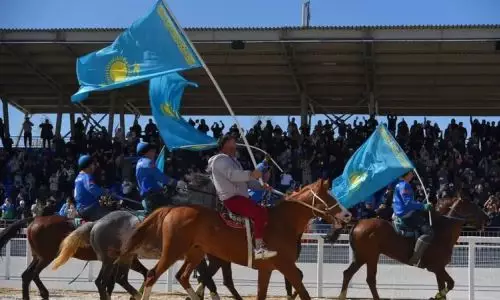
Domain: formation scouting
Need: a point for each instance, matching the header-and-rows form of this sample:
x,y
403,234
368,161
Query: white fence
x,y
475,267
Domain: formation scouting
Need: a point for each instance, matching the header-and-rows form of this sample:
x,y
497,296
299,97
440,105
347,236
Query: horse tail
x,y
79,238
152,223
10,232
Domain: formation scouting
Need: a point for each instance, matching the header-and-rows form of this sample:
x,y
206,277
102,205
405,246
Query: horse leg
x,y
191,261
122,279
204,279
301,278
141,269
371,277
41,264
441,294
102,279
110,283
293,275
169,255
27,277
263,283
227,275
450,283
348,274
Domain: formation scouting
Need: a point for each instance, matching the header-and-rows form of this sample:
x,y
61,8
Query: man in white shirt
x,y
286,181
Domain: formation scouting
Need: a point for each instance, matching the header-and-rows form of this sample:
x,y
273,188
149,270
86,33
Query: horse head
x,y
470,212
322,203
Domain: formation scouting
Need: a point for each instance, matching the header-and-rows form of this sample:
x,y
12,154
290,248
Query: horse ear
x,y
325,183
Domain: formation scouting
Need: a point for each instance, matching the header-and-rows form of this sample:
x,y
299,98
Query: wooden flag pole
x,y
219,90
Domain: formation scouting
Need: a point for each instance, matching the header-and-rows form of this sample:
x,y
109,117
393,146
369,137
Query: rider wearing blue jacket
x,y
408,212
87,193
150,180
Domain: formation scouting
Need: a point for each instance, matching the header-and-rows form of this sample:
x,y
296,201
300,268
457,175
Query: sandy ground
x,y
11,294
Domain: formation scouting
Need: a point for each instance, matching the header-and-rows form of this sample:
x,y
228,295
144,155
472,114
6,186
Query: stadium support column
x,y
59,116
72,123
304,105
6,116
111,116
371,104
122,118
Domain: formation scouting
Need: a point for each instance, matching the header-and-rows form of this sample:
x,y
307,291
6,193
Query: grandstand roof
x,y
411,70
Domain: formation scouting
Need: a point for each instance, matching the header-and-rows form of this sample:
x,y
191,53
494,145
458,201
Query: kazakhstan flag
x,y
373,166
165,95
154,45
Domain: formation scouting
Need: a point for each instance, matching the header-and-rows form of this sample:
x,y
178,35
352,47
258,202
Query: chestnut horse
x,y
190,232
45,234
372,237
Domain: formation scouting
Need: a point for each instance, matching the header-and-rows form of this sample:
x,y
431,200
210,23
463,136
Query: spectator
x,y
68,209
217,130
46,133
27,128
8,210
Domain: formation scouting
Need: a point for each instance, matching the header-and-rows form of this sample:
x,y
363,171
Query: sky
x,y
237,13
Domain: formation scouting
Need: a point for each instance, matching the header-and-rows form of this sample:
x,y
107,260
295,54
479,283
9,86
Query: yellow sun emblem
x,y
356,179
169,111
117,69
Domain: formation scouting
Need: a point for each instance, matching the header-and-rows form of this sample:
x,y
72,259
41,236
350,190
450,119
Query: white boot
x,y
261,252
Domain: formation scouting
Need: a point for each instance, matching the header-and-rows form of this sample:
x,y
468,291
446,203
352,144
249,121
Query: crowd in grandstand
x,y
39,181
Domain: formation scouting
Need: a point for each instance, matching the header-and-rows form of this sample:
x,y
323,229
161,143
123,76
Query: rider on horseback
x,y
149,178
87,193
231,183
408,213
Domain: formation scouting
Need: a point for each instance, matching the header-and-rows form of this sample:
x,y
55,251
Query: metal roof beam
x,y
284,34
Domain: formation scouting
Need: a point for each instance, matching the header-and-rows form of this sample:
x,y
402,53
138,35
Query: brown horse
x,y
44,235
191,231
372,237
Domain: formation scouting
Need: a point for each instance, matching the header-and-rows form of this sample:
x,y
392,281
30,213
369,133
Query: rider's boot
x,y
420,246
261,252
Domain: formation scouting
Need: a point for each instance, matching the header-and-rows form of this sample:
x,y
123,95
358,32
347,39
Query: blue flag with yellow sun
x,y
165,96
154,45
372,167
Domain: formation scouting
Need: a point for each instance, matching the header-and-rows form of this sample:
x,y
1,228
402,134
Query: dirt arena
x,y
11,294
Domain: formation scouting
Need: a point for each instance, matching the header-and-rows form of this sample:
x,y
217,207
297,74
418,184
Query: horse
x,y
371,237
107,234
191,231
45,234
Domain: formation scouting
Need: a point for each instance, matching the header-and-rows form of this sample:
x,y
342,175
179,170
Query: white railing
x,y
475,267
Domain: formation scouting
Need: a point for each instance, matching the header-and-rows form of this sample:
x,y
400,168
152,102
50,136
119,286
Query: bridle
x,y
323,212
460,217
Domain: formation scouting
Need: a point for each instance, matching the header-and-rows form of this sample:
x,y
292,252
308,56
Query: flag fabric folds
x,y
374,165
165,95
154,45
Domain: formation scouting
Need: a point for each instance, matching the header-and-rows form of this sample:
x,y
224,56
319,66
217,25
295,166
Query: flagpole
x,y
425,193
219,90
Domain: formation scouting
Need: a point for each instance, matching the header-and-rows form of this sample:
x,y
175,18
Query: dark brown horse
x,y
372,237
191,231
44,235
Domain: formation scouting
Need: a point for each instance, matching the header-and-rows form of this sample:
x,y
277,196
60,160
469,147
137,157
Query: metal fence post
x,y
170,278
319,275
29,255
91,271
472,265
7,260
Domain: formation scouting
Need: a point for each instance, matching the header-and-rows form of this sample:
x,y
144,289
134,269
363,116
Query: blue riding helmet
x,y
143,148
84,162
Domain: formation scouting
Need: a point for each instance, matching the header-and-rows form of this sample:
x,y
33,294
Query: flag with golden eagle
x,y
165,96
373,166
154,45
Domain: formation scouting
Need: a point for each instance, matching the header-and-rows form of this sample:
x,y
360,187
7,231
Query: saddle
x,y
402,229
238,222
231,219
